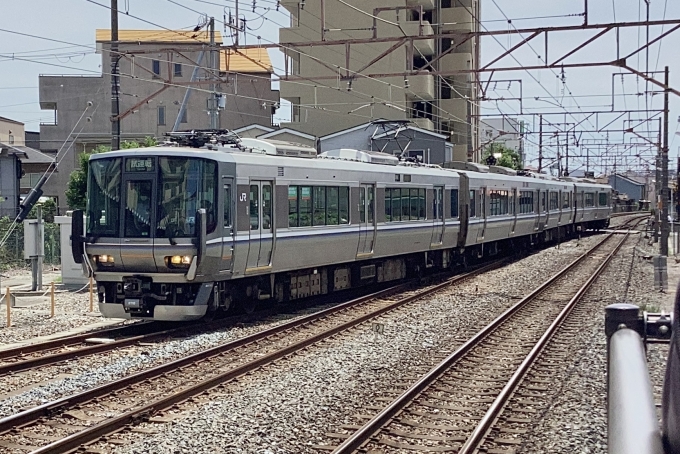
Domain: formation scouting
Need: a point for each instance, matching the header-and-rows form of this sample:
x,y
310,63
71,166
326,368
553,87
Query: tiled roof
x,y
32,155
252,60
158,36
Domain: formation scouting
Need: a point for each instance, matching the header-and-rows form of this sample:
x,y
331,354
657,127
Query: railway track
x,y
70,422
456,406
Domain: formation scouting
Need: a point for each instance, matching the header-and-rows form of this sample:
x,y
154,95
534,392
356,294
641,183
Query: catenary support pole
x,y
115,79
665,226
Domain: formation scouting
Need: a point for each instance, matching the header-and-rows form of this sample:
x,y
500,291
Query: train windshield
x,y
150,196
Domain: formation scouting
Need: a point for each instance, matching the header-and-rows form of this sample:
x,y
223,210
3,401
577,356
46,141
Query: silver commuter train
x,y
175,233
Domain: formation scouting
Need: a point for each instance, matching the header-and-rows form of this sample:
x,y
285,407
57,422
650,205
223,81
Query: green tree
x,y
76,191
49,210
509,157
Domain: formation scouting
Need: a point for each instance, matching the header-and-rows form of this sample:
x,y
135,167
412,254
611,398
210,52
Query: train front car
x,y
146,233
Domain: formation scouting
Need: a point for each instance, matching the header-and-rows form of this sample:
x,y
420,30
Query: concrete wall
x,y
16,130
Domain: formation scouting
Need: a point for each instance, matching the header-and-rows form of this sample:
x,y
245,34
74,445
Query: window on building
x,y
11,139
161,115
454,203
178,70
590,199
156,67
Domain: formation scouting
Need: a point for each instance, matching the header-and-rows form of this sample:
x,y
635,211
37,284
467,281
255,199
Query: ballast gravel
x,y
291,406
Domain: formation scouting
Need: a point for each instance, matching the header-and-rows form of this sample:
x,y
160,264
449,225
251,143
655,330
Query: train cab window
x,y
454,203
227,206
602,199
293,206
473,203
590,199
566,200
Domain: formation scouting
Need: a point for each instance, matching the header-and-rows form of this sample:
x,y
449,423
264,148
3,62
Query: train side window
x,y
473,203
422,205
454,203
415,204
267,206
227,205
554,201
396,204
305,206
332,217
293,206
565,200
388,204
371,204
319,199
343,205
590,199
603,199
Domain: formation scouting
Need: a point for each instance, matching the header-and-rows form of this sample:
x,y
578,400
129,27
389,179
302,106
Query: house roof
x,y
158,36
625,178
9,120
30,155
412,128
253,60
346,131
277,132
266,129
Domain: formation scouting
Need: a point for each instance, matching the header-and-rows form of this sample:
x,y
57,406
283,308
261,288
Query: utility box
x,y
34,238
71,272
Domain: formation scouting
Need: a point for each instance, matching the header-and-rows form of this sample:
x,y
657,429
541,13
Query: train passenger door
x,y
228,225
366,219
260,212
437,216
538,210
482,213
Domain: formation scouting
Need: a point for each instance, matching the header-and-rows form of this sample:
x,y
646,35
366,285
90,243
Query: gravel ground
x,y
289,407
577,418
33,320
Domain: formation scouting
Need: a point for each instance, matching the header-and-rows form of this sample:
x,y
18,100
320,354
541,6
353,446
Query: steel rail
x,y
486,423
373,426
73,441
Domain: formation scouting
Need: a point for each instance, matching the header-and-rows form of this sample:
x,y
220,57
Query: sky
x,y
24,58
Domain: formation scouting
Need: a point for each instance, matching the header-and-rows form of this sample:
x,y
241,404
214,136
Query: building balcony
x,y
423,123
421,87
454,109
426,4
457,20
423,46
455,61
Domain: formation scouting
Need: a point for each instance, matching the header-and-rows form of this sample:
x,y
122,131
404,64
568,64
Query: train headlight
x,y
178,261
105,259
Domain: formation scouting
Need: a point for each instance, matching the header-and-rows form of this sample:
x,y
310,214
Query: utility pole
x,y
665,227
540,143
213,96
115,80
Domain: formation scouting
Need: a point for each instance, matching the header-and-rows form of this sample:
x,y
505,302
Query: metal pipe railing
x,y
632,422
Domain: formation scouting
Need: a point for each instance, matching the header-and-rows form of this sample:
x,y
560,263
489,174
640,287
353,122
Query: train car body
x,y
174,233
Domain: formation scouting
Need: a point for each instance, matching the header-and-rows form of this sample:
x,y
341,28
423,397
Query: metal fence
x,y
12,252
